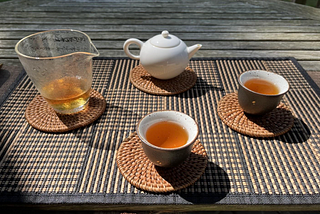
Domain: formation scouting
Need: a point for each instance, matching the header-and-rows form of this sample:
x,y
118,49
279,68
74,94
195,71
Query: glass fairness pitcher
x,y
59,63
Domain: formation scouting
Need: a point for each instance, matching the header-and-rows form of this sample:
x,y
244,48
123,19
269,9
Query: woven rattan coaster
x,y
274,123
142,80
42,117
142,173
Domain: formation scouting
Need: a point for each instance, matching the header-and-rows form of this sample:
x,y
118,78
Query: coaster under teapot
x,y
142,80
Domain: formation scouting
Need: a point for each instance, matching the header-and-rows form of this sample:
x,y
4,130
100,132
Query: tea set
x,y
55,54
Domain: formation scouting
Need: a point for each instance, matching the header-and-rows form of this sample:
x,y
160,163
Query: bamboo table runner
x,y
80,166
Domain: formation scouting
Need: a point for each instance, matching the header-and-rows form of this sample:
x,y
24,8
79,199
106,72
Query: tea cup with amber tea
x,y
261,91
167,137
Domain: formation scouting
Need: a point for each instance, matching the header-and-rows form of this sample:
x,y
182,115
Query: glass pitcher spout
x,y
94,52
54,44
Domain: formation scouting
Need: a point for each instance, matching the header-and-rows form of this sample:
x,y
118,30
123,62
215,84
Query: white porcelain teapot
x,y
163,56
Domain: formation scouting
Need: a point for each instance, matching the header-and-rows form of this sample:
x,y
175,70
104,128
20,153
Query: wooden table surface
x,y
229,28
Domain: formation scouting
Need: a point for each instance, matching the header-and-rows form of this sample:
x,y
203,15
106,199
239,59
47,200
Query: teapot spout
x,y
193,49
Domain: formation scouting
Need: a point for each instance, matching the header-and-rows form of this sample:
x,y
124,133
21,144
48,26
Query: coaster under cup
x,y
138,170
142,80
42,117
275,123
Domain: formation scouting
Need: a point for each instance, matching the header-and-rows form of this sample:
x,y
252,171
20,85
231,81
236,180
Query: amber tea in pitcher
x,y
67,94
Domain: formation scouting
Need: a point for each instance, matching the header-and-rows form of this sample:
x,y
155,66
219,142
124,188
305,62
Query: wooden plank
x,y
14,32
299,54
131,15
276,5
11,5
117,3
216,2
214,36
246,6
206,45
290,8
315,75
139,4
181,22
98,35
10,63
159,21
310,65
141,10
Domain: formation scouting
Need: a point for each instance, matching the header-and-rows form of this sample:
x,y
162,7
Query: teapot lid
x,y
165,40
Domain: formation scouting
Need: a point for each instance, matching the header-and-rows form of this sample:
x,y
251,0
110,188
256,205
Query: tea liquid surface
x,y
167,134
262,86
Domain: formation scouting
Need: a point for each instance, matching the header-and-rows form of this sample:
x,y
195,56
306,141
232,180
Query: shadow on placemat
x,y
114,113
218,185
279,121
181,82
199,89
169,174
299,133
4,76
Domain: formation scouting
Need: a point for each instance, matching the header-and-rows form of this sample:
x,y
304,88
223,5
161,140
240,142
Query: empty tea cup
x,y
167,157
59,63
260,91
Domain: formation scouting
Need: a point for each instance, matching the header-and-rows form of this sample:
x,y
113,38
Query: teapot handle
x,y
128,43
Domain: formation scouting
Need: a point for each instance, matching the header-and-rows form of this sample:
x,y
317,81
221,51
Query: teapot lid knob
x,y
165,33
165,40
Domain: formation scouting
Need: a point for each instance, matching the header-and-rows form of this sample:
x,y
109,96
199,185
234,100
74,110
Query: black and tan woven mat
x,y
80,166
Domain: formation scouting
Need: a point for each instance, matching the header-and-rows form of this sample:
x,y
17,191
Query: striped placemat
x,y
80,166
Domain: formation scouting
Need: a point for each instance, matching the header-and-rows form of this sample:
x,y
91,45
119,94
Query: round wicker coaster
x,y
272,124
142,80
142,173
42,117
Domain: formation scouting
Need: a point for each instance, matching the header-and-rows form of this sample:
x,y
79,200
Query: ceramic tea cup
x,y
255,101
167,157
